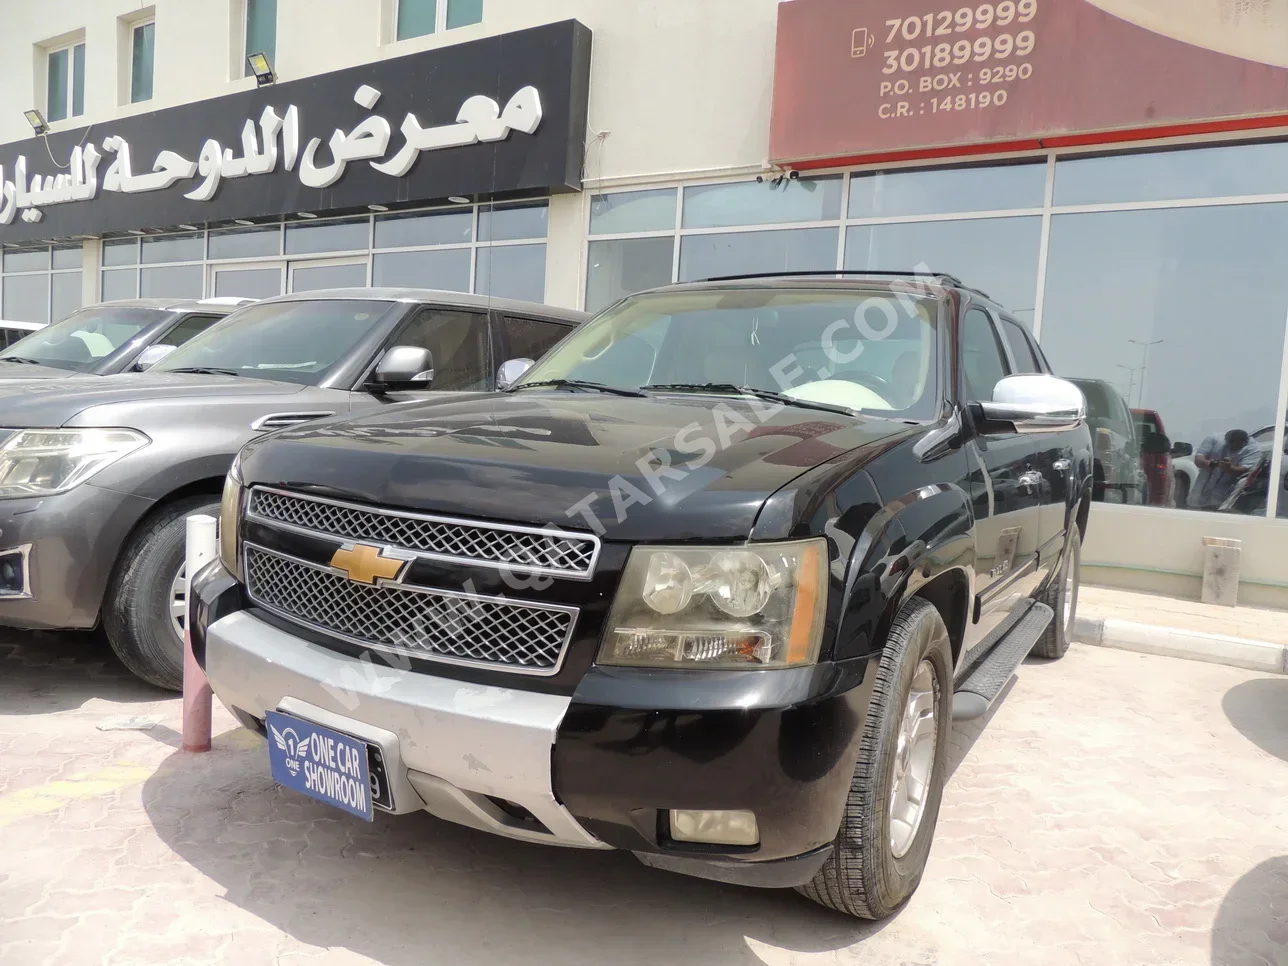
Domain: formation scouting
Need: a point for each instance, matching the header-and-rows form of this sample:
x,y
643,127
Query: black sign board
x,y
495,116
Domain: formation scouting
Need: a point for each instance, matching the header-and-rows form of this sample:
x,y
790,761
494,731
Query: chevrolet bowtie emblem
x,y
366,564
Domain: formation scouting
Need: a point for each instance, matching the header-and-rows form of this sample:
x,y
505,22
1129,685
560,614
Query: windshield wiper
x,y
578,384
204,371
729,388
25,361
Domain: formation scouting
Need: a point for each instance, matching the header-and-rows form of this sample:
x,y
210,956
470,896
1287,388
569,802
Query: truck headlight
x,y
758,606
230,508
42,462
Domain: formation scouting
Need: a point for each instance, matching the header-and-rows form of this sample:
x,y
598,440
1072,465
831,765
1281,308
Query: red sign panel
x,y
881,77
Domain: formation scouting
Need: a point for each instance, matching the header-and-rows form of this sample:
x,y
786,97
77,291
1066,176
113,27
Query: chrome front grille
x,y
443,538
414,621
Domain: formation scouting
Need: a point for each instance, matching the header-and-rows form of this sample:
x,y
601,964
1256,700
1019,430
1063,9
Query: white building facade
x,y
1148,260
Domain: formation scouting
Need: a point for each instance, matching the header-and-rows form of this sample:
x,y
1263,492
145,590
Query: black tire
x,y
136,614
1054,642
1181,495
863,877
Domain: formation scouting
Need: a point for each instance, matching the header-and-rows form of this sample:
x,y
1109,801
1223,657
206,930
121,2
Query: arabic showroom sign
x,y
480,120
500,115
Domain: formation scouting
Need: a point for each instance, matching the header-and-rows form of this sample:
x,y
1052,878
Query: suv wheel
x,y
1061,596
881,848
143,614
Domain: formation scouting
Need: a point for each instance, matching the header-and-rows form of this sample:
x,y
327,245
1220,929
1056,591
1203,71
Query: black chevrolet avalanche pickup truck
x,y
708,582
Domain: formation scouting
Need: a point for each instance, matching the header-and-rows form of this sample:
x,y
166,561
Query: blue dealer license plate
x,y
319,762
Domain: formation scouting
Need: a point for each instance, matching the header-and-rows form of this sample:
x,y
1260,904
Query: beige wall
x,y
1162,551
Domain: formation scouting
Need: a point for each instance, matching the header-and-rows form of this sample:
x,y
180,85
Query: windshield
x,y
861,351
85,338
286,341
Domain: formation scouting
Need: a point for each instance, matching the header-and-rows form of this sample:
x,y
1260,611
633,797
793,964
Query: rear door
x,y
1052,455
1006,490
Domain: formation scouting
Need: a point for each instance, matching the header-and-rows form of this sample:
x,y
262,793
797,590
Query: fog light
x,y
714,828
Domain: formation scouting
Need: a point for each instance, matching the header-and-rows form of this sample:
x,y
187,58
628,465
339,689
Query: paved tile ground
x,y
1116,809
1253,623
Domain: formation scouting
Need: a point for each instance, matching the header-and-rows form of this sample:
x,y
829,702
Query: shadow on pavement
x,y
42,672
1251,927
410,889
1258,709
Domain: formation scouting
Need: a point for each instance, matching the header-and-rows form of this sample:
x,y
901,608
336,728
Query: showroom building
x,y
1113,171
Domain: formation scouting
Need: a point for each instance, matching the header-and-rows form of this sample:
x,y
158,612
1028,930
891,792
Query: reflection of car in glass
x,y
706,584
1155,457
11,332
111,337
1119,476
97,475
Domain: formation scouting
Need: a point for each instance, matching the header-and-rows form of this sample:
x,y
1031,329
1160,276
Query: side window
x,y
983,364
1021,348
530,338
188,327
459,343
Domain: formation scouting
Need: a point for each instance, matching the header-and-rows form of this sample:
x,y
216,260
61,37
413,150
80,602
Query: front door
x,y
1006,489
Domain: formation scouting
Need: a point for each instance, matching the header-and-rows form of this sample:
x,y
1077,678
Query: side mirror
x,y
1036,404
1180,450
512,371
150,356
405,366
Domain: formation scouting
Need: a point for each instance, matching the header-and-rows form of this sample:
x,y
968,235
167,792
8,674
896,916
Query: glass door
x,y
256,280
310,276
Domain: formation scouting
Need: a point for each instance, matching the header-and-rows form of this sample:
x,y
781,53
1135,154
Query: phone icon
x,y
859,42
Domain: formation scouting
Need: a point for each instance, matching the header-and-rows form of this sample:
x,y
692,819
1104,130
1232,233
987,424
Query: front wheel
x,y
146,600
884,840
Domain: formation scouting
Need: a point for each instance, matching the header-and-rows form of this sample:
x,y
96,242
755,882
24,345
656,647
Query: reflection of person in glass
x,y
1221,463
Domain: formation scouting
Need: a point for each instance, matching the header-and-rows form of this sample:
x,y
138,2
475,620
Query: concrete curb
x,y
1173,642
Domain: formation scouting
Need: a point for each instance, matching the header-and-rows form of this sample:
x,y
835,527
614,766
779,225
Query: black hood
x,y
533,457
53,403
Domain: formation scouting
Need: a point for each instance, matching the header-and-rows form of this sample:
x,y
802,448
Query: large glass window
x,y
307,237
261,31
416,18
880,194
65,83
512,272
622,266
1177,314
1220,172
141,62
445,268
740,253
39,284
762,203
998,255
633,211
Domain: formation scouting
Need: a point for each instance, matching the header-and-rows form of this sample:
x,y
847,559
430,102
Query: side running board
x,y
985,681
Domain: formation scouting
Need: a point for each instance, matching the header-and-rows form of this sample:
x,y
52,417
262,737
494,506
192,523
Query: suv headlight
x,y
230,508
42,462
757,606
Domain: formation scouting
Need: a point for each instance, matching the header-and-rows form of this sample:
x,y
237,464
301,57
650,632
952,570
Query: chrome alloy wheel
x,y
1072,583
179,600
914,761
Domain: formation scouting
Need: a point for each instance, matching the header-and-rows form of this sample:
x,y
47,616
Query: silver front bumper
x,y
447,744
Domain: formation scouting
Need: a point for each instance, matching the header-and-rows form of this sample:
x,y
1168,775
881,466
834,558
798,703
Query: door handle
x,y
1062,466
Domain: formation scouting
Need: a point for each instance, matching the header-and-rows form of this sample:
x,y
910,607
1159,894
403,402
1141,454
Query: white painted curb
x,y
1173,642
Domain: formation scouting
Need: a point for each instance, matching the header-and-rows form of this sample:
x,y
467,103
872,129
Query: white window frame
x,y
440,20
69,46
133,28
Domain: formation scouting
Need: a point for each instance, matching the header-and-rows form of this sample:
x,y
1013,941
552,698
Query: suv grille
x,y
514,548
419,622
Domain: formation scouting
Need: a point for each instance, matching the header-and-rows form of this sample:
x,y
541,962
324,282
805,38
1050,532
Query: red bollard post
x,y
202,547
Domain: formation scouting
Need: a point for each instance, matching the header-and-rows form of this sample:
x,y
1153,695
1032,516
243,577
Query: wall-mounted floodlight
x,y
262,68
37,121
